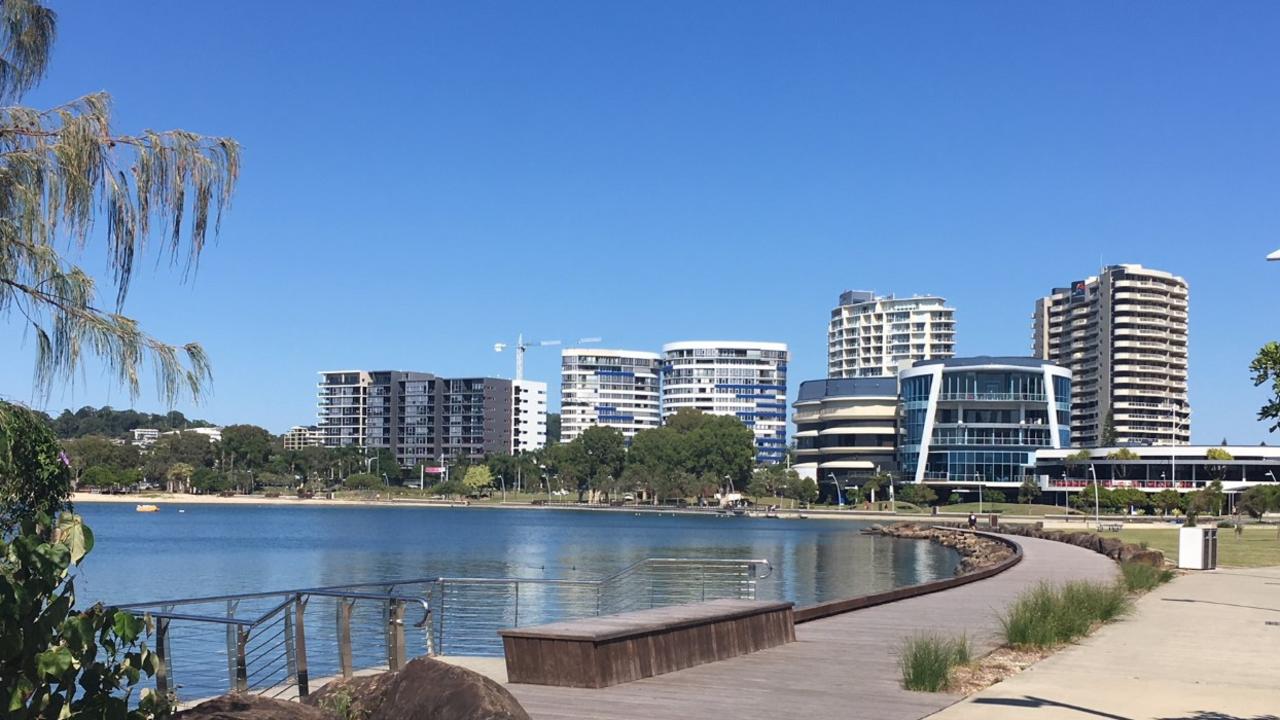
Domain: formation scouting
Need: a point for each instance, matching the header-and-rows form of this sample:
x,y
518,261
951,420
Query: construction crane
x,y
521,345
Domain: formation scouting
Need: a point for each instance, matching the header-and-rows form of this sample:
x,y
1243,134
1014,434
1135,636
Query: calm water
x,y
219,549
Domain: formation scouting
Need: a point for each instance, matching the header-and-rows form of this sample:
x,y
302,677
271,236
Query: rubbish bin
x,y
935,510
995,521
1198,548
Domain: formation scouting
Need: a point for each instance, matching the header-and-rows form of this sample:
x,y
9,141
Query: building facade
x,y
425,418
1123,335
981,420
299,437
613,388
1185,468
747,380
846,429
871,336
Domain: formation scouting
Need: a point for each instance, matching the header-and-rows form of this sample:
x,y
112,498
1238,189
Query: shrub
x,y
927,660
362,481
1140,577
1048,615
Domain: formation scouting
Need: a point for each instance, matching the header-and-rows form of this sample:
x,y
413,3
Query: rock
x,y
1138,554
424,689
252,707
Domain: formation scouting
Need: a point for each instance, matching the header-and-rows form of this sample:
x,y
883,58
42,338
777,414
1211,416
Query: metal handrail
x,y
268,651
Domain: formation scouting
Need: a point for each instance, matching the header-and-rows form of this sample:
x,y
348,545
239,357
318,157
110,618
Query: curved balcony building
x,y
981,419
747,380
846,429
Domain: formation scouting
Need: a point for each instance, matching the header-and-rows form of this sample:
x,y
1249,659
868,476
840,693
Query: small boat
x,y
148,508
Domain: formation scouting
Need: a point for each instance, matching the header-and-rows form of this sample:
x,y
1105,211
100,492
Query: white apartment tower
x,y
873,336
1123,334
747,380
528,415
614,388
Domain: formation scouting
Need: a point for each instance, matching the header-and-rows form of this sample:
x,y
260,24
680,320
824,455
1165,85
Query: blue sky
x,y
423,180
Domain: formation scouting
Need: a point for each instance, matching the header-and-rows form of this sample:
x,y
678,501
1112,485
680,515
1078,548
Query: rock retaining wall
x,y
976,552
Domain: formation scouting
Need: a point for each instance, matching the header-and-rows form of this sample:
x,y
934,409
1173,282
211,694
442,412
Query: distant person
x,y
973,521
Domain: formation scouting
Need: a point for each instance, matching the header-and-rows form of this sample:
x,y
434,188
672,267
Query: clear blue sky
x,y
423,180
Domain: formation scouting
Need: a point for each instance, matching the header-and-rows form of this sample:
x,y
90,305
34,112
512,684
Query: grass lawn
x,y
1258,547
1007,508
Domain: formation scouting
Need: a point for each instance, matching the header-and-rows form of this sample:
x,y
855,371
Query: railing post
x,y
517,608
431,629
242,665
290,657
344,638
300,645
232,639
395,635
443,615
162,652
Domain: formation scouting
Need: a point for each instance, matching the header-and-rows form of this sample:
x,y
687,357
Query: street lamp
x,y
1097,504
504,487
1274,256
839,495
979,493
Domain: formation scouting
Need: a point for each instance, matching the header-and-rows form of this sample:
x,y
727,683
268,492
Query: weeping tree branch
x,y
66,180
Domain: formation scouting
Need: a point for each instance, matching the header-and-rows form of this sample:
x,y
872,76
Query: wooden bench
x,y
607,650
1110,527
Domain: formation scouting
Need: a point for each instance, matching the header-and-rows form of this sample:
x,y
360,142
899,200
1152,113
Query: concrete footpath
x,y
1205,646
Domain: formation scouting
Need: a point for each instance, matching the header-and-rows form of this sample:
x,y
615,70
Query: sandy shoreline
x,y
163,499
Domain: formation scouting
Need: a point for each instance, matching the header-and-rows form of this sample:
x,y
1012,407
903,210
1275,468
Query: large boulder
x,y
424,689
252,707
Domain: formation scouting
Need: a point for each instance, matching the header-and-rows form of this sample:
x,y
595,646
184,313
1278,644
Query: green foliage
x,y
477,478
1109,429
1076,459
109,422
1266,369
35,476
553,428
918,494
1258,500
1028,491
926,661
363,481
1167,500
245,446
1140,577
57,661
66,177
993,495
800,489
100,476
1049,615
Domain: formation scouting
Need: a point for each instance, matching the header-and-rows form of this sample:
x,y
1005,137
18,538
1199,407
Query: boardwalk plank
x,y
843,666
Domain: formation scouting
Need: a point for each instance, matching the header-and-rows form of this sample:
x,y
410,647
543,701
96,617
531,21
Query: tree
x,y
179,477
1167,500
477,478
1123,454
59,169
1109,429
1259,500
35,475
918,494
600,454
1075,460
875,483
767,481
800,489
1218,470
246,446
553,428
362,481
1266,369
99,476
1028,491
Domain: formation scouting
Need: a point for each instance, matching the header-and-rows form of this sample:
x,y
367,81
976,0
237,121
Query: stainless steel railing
x,y
276,642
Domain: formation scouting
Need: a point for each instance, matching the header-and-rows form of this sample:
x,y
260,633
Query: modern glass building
x,y
980,420
721,377
846,429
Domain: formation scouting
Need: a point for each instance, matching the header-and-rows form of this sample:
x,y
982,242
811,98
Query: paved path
x,y
1199,648
844,666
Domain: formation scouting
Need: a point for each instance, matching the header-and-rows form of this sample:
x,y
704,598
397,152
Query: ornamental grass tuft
x,y
1139,577
1049,615
927,659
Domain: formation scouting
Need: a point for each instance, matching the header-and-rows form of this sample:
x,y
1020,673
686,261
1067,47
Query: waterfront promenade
x,y
1198,648
844,666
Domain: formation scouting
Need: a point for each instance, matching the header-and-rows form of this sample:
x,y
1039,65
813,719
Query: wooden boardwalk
x,y
840,667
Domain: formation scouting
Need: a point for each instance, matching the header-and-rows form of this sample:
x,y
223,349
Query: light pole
x,y
1097,505
979,493
504,487
839,495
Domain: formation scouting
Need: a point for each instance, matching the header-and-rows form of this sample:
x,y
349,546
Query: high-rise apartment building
x,y
425,418
300,437
873,336
846,429
1123,334
747,380
614,388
